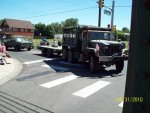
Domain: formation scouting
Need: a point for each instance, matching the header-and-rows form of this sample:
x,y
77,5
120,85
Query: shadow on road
x,y
83,70
80,70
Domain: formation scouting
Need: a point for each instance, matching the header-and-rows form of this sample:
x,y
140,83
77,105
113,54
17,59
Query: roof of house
x,y
19,23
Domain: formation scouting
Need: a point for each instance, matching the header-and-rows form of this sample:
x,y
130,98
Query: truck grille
x,y
113,50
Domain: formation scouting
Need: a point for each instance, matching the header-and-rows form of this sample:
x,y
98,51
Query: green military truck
x,y
18,43
93,45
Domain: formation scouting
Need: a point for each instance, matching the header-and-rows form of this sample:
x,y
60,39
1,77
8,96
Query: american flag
x,y
97,47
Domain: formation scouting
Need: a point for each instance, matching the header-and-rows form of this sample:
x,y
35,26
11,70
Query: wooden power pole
x,y
138,72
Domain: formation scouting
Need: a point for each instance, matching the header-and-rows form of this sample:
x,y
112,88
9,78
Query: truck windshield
x,y
99,36
18,39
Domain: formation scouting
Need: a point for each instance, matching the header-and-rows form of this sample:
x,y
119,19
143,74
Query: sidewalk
x,y
9,71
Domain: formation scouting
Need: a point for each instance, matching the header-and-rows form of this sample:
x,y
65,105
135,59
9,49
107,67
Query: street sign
x,y
107,12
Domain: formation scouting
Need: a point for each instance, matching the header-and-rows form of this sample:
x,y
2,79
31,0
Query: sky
x,y
49,11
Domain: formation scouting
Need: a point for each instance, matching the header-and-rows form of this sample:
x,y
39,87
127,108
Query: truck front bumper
x,y
110,58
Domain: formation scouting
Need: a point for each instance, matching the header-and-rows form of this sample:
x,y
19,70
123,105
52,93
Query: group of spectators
x,y
3,54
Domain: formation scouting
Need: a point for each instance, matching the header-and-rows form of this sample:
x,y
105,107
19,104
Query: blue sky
x,y
48,11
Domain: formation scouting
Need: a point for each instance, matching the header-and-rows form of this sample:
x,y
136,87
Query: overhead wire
x,y
48,10
67,11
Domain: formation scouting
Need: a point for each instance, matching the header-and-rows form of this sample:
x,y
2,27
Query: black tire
x,y
64,54
6,47
29,48
70,56
17,48
93,64
44,52
49,53
59,52
119,65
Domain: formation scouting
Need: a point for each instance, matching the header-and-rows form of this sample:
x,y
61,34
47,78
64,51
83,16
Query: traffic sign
x,y
107,12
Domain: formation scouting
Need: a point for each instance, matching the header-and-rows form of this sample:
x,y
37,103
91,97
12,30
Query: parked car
x,y
19,43
44,42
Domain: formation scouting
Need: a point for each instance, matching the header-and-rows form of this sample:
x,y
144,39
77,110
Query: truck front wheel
x,y
70,56
64,54
93,64
119,65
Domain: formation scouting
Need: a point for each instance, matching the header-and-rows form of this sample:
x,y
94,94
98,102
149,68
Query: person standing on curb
x,y
4,53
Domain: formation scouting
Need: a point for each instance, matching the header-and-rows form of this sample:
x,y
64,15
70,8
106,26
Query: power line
x,y
67,11
48,10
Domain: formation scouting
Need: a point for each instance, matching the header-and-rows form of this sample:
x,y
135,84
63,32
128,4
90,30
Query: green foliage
x,y
49,31
125,30
41,28
1,20
44,30
57,27
54,28
70,22
121,33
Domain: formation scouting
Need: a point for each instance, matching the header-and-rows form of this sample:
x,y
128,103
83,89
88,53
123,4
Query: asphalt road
x,y
50,85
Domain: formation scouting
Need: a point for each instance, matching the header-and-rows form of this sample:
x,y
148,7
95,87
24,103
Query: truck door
x,y
84,40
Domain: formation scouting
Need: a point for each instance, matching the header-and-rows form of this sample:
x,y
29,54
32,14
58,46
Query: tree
x,y
49,31
70,22
40,27
1,20
57,27
125,30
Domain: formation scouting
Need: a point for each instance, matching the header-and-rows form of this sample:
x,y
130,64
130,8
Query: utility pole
x,y
138,73
99,13
100,5
99,17
112,17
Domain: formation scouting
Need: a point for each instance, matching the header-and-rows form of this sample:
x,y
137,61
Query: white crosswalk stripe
x,y
35,52
59,81
55,67
36,61
84,93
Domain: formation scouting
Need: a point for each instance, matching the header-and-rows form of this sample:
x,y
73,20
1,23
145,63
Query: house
x,y
13,27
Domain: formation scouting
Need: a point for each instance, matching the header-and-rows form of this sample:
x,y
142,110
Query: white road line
x,y
34,51
56,67
121,104
84,93
80,65
36,61
59,81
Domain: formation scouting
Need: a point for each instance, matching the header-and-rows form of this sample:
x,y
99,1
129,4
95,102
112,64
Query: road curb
x,y
16,69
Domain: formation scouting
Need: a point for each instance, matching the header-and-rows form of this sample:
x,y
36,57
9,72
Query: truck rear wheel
x,y
29,48
64,54
44,52
70,56
93,64
49,53
119,65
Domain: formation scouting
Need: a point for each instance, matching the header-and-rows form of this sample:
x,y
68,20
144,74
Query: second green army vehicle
x,y
19,43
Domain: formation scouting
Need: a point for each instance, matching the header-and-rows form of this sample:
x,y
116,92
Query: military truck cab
x,y
93,45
